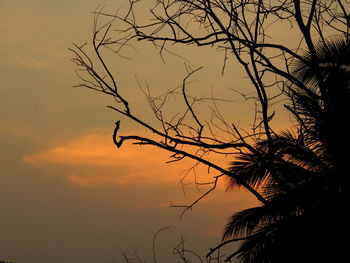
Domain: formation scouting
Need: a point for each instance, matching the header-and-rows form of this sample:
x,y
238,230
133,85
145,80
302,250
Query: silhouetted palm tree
x,y
324,118
305,182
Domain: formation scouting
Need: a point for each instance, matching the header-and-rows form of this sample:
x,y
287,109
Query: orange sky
x,y
66,193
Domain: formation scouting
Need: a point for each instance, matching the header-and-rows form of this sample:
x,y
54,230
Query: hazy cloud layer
x,y
93,159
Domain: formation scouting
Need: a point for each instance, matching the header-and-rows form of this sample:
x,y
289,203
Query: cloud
x,y
91,150
92,159
99,180
35,62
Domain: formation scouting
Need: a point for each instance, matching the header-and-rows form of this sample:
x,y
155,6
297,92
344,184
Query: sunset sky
x,y
66,193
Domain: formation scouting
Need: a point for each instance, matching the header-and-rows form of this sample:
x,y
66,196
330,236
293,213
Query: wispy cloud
x,y
94,149
35,62
93,159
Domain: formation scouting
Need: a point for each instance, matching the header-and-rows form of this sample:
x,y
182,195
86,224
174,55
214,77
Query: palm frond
x,y
333,54
248,168
303,181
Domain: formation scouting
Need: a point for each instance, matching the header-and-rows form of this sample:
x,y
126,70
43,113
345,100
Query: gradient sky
x,y
66,194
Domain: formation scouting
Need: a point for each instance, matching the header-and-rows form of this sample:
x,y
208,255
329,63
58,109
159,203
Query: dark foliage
x,y
305,182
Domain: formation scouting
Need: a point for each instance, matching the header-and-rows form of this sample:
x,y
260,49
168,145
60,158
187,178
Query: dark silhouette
x,y
299,176
305,182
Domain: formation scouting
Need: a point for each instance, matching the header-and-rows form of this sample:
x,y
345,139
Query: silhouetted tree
x,y
304,185
298,176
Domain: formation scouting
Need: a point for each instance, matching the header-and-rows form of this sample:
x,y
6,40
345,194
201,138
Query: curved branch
x,y
146,141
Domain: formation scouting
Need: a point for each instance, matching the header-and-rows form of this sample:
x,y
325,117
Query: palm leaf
x,y
333,54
